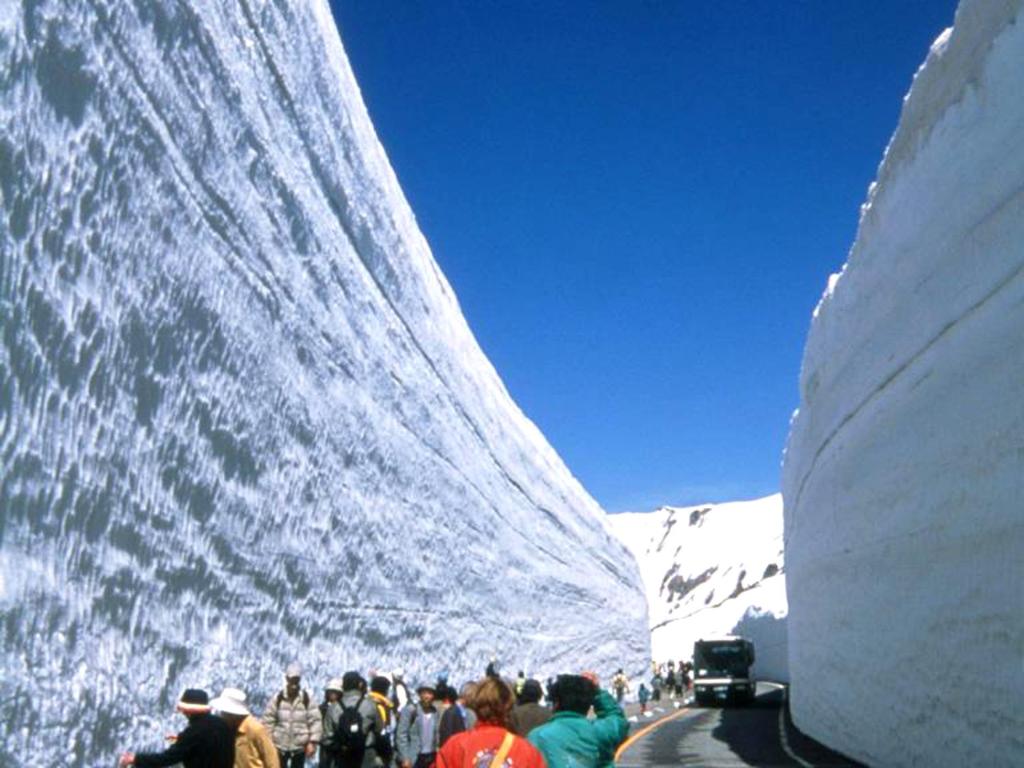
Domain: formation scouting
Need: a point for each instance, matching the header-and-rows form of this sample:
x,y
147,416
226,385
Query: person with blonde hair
x,y
490,744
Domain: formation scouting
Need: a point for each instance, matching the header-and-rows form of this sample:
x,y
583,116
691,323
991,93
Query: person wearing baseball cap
x,y
253,746
294,720
206,742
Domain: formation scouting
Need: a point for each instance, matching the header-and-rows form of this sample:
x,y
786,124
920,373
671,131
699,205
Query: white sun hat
x,y
231,702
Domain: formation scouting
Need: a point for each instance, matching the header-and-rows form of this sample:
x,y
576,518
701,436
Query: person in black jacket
x,y
457,717
206,742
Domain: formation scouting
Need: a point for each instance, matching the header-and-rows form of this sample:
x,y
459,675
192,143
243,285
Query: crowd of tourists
x,y
667,679
670,679
379,723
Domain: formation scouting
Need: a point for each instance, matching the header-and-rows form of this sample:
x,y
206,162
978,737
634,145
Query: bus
x,y
721,671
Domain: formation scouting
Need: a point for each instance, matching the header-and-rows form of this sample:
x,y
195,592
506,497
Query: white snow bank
x,y
242,418
712,570
904,471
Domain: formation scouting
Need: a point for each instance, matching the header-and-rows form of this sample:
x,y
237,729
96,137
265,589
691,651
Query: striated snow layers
x,y
242,418
904,472
713,570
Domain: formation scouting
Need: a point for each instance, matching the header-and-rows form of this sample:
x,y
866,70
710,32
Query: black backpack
x,y
348,738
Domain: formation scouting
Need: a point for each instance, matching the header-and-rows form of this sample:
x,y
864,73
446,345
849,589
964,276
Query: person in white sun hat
x,y
253,747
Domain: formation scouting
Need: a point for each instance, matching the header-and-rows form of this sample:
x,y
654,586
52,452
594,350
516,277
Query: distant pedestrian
x,y
518,687
656,684
643,696
621,686
493,668
569,739
680,680
670,680
253,746
547,690
419,731
529,713
206,742
490,744
294,721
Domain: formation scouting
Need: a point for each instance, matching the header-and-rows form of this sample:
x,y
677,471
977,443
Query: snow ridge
x,y
713,570
242,418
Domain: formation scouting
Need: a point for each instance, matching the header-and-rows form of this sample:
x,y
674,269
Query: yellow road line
x,y
644,731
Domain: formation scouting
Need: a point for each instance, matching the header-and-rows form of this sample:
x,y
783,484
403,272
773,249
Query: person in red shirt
x,y
490,744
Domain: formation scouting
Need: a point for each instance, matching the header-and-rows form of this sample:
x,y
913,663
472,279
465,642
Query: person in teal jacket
x,y
571,740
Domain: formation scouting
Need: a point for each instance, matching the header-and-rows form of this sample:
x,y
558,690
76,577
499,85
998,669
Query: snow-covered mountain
x,y
712,570
904,473
242,418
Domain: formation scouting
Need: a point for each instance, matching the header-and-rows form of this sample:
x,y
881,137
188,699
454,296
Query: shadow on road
x,y
750,728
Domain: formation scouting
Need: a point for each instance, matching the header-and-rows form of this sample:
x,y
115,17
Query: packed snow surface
x,y
242,418
710,571
904,472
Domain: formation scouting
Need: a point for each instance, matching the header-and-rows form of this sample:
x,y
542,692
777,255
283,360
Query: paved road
x,y
758,734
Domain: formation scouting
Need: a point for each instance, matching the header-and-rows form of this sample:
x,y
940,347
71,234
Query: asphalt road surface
x,y
759,733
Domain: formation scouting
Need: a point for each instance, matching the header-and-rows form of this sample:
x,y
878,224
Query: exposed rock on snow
x,y
713,570
904,471
242,418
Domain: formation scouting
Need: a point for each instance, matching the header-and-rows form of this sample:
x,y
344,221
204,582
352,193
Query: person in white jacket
x,y
294,720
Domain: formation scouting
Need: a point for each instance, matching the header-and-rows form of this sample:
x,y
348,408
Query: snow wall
x,y
713,570
904,472
242,418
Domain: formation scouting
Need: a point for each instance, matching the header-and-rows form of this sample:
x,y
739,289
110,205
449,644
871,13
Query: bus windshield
x,y
726,657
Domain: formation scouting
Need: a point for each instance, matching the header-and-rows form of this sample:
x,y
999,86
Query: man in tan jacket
x,y
253,747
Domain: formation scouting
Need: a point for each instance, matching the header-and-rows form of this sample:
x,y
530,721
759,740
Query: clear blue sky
x,y
639,204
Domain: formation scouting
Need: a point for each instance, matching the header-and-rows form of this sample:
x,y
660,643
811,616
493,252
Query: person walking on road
x,y
294,721
400,695
419,731
458,717
656,683
643,696
621,685
351,726
385,741
490,744
253,746
518,687
206,742
569,739
529,713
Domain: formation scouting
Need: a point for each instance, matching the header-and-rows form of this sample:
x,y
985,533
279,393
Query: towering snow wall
x,y
904,473
242,419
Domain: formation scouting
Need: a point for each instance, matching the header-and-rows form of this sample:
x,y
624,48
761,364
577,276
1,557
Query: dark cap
x,y
352,681
194,701
532,692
